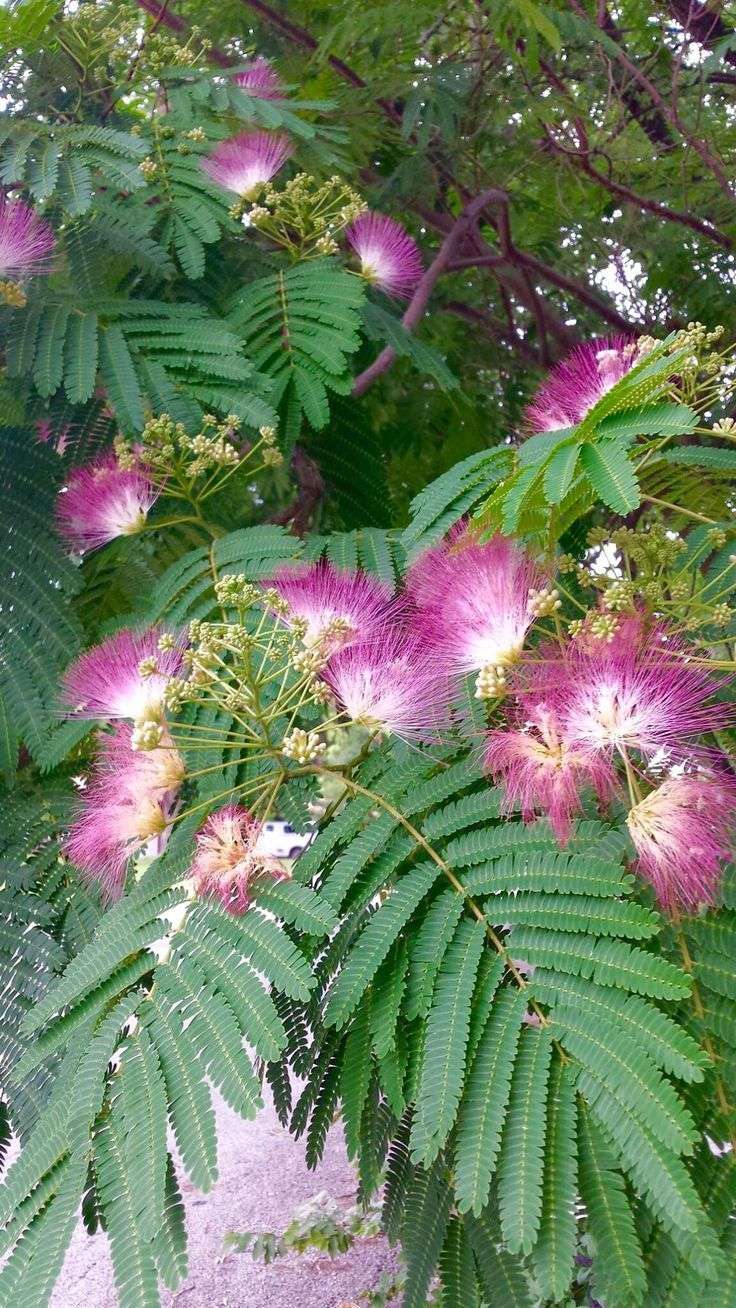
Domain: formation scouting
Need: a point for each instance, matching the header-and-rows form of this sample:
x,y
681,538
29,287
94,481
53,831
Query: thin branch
x,y
582,158
704,24
671,115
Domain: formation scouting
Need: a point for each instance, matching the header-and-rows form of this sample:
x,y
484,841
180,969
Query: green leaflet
x,y
375,942
667,1044
502,1279
483,1111
300,328
618,1268
522,1143
611,474
609,1053
448,1023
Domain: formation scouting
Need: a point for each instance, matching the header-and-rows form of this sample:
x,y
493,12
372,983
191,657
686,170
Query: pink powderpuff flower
x,y
391,683
338,607
243,163
26,241
259,79
110,829
579,382
227,858
388,255
127,805
474,606
102,501
638,692
106,681
542,772
126,772
421,578
682,832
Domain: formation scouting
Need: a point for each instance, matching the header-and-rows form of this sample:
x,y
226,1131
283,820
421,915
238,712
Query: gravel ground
x,y
262,1180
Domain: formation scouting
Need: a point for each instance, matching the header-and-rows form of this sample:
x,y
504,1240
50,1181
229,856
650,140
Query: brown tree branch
x,y
703,23
310,492
671,115
650,119
581,157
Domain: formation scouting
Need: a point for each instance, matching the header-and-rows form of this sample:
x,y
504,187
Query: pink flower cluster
x,y
383,675
244,163
584,713
260,79
130,798
591,714
389,257
610,716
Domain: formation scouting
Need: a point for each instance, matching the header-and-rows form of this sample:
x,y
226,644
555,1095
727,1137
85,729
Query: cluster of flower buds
x,y
166,447
491,683
544,602
162,50
302,746
629,569
305,216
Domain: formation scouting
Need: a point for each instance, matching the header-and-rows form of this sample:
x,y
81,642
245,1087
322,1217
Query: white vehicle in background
x,y
280,840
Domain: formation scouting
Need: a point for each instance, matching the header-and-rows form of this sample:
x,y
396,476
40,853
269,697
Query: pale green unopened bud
x,y
302,746
543,603
491,683
146,735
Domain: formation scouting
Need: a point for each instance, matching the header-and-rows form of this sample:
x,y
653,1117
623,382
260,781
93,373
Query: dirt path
x,y
262,1179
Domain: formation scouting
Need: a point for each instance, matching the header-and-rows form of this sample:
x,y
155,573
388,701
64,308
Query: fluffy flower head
x,y
244,163
26,241
682,832
638,692
106,681
227,858
576,384
127,804
260,79
120,813
392,683
542,772
388,255
130,773
338,607
101,502
107,834
473,602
